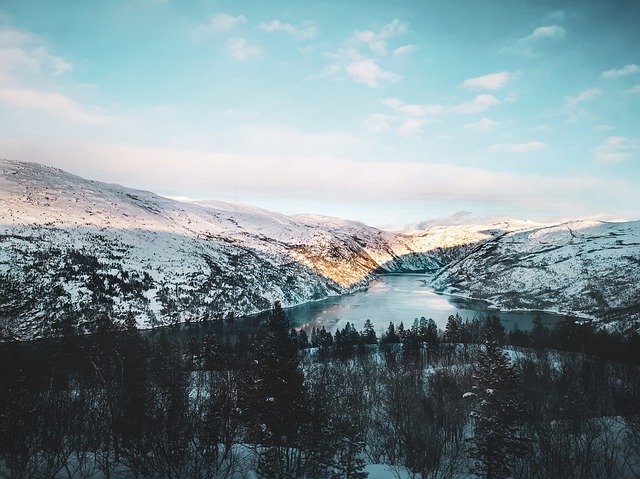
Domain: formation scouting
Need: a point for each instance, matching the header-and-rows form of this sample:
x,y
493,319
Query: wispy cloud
x,y
616,149
404,50
241,49
360,57
219,23
571,103
482,124
491,81
209,174
518,147
552,32
479,104
377,41
304,31
528,45
634,89
368,72
379,122
406,119
25,60
621,72
53,103
20,49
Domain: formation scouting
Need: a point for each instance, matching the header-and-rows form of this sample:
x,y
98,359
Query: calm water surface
x,y
401,298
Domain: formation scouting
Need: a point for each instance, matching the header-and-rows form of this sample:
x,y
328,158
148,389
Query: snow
x,y
201,258
584,268
60,232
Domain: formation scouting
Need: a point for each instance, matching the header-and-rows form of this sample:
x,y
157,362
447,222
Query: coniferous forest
x,y
469,401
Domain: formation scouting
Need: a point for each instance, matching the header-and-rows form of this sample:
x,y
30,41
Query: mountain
x,y
588,268
75,254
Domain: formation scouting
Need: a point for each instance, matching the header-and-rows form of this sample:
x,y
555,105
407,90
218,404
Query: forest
x,y
276,402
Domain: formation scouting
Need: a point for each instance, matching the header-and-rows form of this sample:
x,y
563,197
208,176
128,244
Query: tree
x,y
494,330
452,332
496,441
368,335
539,334
278,395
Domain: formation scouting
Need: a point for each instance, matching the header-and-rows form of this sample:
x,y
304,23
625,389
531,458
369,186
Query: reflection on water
x,y
400,298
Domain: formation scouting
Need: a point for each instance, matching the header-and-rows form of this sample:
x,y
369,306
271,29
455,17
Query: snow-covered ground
x,y
75,248
81,249
585,267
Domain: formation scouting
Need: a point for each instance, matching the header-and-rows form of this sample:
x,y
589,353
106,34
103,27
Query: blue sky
x,y
385,112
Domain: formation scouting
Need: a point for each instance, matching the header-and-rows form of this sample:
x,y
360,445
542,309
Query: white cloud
x,y
368,72
407,119
377,41
519,147
634,89
479,104
603,128
571,103
223,22
552,32
378,122
53,103
404,50
527,45
303,31
241,49
210,174
616,149
621,72
21,50
483,124
25,60
492,81
360,57
416,111
411,127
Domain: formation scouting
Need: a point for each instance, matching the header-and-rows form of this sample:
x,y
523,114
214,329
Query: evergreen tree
x,y
496,441
368,335
278,396
432,332
452,331
494,330
390,336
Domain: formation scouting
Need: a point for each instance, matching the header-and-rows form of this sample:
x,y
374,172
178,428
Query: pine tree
x,y
496,441
278,394
494,330
539,334
452,329
368,335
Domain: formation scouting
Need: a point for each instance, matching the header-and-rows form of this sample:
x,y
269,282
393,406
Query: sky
x,y
390,113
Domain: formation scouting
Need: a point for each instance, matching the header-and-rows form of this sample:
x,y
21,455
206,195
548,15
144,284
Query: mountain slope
x,y
75,254
591,268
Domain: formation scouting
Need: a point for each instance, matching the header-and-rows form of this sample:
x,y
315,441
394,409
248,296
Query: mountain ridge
x,y
74,251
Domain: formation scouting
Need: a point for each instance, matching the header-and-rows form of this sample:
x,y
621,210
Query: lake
x,y
401,298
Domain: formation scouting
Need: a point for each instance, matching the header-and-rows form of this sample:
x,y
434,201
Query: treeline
x,y
568,334
284,403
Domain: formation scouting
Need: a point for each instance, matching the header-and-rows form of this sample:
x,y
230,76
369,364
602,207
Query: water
x,y
401,298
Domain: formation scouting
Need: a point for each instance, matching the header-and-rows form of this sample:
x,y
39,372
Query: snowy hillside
x,y
591,268
74,251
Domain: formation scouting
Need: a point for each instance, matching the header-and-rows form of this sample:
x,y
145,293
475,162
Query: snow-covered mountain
x,y
587,267
74,251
